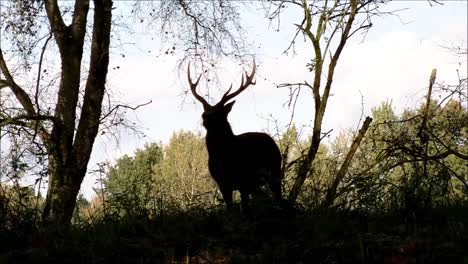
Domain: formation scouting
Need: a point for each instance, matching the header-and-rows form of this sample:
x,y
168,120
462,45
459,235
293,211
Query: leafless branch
x,y
39,71
119,106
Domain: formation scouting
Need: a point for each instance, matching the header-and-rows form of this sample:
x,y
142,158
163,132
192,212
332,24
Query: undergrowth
x,y
263,236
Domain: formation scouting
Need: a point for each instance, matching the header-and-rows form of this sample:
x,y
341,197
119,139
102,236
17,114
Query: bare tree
x,y
62,109
68,145
327,26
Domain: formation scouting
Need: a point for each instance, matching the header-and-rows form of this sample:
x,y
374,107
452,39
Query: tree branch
x,y
80,16
88,125
19,93
4,84
56,21
39,71
331,192
24,121
336,55
116,107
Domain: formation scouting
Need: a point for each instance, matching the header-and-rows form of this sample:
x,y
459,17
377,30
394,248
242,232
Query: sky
x,y
392,62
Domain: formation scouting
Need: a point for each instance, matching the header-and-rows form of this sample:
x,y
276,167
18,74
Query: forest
x,y
391,188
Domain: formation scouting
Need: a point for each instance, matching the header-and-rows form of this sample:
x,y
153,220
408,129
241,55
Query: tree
x,y
367,187
156,178
413,161
81,206
63,117
18,207
68,145
183,177
327,25
129,185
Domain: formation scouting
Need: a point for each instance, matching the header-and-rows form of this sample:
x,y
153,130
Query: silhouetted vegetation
x,y
161,206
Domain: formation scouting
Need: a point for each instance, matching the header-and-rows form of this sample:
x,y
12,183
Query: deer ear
x,y
228,107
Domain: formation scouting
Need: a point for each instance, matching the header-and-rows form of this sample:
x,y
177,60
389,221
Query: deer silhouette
x,y
238,162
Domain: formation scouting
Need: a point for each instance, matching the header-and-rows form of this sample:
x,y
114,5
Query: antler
x,y
248,81
193,88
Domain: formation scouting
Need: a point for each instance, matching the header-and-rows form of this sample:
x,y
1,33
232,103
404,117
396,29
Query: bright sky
x,y
392,63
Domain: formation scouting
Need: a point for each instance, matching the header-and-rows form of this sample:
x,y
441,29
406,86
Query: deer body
x,y
253,160
238,162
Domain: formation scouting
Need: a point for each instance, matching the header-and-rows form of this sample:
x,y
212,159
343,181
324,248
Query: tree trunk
x,y
320,101
69,146
64,186
306,163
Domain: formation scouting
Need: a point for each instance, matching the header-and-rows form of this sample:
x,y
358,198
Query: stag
x,y
238,162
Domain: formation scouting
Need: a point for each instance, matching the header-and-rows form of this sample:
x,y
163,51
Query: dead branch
x,y
332,190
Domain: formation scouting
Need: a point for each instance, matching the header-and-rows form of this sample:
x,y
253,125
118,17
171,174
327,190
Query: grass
x,y
264,236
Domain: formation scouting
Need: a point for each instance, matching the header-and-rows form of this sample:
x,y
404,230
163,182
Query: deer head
x,y
238,162
213,115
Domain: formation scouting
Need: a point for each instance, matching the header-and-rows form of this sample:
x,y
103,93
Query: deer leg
x,y
275,188
245,197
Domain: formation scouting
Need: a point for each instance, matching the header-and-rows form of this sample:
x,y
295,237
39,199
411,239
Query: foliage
x,y
129,181
390,173
156,178
395,170
20,20
19,214
389,209
217,32
182,178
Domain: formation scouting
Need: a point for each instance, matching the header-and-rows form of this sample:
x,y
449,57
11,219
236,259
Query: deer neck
x,y
219,139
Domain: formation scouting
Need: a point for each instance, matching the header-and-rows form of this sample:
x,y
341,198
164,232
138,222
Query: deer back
x,y
245,161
